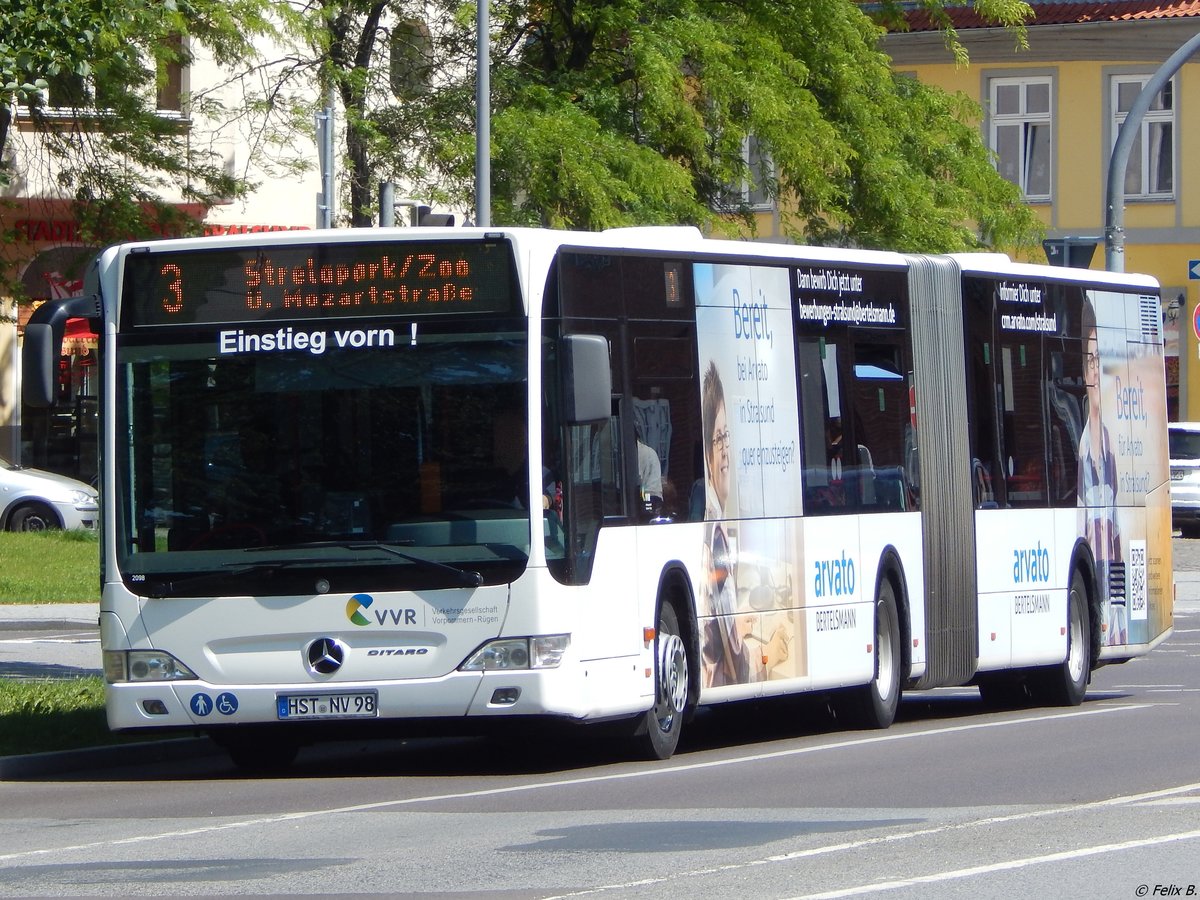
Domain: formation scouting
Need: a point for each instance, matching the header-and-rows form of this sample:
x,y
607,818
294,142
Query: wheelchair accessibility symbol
x,y
227,704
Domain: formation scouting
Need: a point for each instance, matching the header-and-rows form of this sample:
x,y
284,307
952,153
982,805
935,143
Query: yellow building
x,y
1052,112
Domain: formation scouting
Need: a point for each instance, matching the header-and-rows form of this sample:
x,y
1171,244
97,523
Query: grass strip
x,y
39,715
49,567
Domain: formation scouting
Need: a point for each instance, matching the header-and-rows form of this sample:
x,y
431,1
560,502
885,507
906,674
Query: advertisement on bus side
x,y
752,627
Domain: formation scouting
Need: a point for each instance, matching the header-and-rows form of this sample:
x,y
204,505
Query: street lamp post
x,y
483,119
1114,222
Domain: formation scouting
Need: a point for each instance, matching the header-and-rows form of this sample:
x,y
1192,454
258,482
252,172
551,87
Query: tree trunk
x,y
5,121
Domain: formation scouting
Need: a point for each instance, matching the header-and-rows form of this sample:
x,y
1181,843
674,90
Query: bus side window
x,y
984,397
1065,390
1023,420
595,471
883,433
821,425
665,406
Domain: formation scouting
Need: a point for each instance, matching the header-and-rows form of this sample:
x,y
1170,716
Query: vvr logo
x,y
358,605
355,607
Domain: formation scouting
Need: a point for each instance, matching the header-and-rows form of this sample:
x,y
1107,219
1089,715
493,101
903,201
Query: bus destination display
x,y
317,281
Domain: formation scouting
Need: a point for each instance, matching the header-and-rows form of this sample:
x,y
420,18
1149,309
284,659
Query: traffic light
x,y
427,218
1075,252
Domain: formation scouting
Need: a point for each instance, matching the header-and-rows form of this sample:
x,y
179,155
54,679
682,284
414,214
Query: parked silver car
x,y
33,500
1183,442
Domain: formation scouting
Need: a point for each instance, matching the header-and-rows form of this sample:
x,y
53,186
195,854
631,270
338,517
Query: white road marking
x,y
1146,798
1006,866
886,737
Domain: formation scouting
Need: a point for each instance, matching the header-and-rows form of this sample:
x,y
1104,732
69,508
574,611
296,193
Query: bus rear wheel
x,y
657,732
874,705
1066,684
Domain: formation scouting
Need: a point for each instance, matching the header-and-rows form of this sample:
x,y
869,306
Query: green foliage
x,y
604,112
638,112
105,61
49,567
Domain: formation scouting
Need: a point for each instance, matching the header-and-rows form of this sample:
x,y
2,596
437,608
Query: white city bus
x,y
455,477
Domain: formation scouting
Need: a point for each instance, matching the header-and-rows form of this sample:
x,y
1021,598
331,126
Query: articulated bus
x,y
375,480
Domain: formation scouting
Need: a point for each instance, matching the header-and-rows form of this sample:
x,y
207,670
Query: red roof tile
x,y
1066,12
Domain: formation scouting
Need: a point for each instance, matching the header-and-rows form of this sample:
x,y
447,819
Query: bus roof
x,y
674,238
999,264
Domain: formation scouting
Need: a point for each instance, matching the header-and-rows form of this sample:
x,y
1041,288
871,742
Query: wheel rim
x,y
34,523
1075,653
673,679
885,678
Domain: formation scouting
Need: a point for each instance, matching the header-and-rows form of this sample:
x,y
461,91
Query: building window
x,y
752,193
67,92
1150,173
1019,132
71,96
170,78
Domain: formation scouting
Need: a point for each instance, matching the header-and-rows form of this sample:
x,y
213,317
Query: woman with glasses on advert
x,y
1097,488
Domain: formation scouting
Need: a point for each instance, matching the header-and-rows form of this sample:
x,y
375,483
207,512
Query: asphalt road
x,y
768,800
58,641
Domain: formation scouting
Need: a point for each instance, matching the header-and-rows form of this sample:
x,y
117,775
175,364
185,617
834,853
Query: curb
x,y
49,615
58,762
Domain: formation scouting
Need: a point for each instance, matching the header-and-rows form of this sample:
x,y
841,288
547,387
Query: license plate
x,y
348,705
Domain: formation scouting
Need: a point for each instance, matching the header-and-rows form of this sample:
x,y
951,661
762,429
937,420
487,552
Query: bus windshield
x,y
403,464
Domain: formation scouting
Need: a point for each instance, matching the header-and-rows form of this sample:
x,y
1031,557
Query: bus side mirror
x,y
39,358
42,345
587,379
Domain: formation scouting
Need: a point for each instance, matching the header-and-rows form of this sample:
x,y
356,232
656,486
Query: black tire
x,y
1066,683
656,734
257,751
874,705
33,517
1006,690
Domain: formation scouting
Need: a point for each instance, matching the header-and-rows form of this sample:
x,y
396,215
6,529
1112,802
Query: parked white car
x,y
1183,440
33,500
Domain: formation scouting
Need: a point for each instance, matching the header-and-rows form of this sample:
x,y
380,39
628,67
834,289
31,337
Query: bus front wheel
x,y
657,733
257,750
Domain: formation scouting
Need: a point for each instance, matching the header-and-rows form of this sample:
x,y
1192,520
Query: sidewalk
x,y
52,640
48,615
1187,586
67,657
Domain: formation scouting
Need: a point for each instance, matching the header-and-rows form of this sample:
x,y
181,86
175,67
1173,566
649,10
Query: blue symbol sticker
x,y
227,704
201,704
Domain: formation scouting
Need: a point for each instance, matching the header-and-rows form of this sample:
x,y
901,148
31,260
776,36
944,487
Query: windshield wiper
x,y
166,587
466,577
463,577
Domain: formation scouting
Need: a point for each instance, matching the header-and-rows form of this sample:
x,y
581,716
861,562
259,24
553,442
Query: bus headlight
x,y
144,665
541,652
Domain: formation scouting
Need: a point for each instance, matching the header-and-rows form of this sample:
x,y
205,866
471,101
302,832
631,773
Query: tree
x,y
605,112
106,63
615,112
